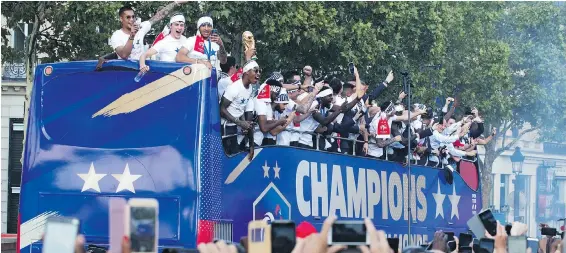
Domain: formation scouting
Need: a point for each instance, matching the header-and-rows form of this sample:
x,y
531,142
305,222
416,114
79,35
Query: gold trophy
x,y
249,42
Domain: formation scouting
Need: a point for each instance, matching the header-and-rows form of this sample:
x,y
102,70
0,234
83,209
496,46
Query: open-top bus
x,y
93,135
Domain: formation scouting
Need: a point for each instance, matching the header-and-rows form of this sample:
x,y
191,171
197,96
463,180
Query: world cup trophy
x,y
249,42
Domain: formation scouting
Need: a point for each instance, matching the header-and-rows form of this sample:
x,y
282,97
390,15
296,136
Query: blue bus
x,y
94,135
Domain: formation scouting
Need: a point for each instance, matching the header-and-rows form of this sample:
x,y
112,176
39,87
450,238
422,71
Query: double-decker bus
x,y
94,135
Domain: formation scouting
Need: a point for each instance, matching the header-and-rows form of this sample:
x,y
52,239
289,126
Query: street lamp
x,y
517,160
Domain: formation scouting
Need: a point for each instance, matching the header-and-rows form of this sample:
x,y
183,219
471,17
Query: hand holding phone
x,y
283,236
143,225
351,67
350,233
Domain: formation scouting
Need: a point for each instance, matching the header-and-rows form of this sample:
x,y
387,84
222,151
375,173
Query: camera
x,y
551,232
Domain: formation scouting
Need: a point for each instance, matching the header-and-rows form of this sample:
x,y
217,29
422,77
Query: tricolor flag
x,y
238,75
199,44
161,35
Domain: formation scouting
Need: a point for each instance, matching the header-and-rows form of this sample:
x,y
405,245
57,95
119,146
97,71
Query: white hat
x,y
177,18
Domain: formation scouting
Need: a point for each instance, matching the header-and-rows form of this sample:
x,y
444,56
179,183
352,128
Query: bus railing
x,y
370,141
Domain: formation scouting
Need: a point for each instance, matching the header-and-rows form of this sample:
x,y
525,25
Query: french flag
x,y
161,35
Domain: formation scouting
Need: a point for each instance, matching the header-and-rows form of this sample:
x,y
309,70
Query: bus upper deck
x,y
93,135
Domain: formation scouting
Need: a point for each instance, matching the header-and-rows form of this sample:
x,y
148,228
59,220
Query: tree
x,y
533,99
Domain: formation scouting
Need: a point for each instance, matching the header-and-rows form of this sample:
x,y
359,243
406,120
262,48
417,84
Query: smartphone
x,y
465,249
283,236
117,223
143,224
214,31
487,244
349,233
60,235
465,239
488,221
449,236
451,245
517,244
393,244
351,67
259,236
548,231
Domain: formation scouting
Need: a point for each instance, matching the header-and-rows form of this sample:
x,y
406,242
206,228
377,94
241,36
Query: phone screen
x,y
487,244
349,233
351,67
60,235
517,244
282,237
465,249
465,239
142,228
449,236
489,222
393,244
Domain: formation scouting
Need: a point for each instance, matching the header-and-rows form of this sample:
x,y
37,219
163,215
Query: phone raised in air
x,y
60,235
393,244
283,236
351,67
351,233
488,221
143,224
465,239
487,244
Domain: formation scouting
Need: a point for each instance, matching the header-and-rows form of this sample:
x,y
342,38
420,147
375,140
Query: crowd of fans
x,y
308,239
330,113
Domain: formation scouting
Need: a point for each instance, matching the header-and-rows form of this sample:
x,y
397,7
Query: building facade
x,y
13,86
542,183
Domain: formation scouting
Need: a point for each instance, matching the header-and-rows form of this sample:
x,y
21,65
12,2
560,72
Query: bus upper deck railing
x,y
370,141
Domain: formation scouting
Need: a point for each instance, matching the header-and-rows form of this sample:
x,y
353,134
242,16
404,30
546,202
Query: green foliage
x,y
505,58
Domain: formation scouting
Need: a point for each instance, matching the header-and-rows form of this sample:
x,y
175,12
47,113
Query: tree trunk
x,y
486,172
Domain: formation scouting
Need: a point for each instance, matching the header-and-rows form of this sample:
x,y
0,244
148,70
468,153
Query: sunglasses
x,y
257,71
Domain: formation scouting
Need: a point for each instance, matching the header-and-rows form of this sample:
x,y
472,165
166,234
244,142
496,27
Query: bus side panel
x,y
76,160
306,185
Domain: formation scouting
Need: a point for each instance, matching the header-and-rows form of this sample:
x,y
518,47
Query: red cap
x,y
305,229
457,143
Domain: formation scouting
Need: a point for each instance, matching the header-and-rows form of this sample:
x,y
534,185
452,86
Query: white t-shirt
x,y
190,45
262,108
168,47
285,137
308,125
223,84
373,149
239,96
119,38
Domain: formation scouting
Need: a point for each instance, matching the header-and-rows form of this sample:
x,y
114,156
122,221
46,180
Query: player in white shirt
x,y
168,47
128,42
233,104
228,70
263,107
205,47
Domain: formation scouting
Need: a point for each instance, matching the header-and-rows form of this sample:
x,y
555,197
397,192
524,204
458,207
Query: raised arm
x,y
163,12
